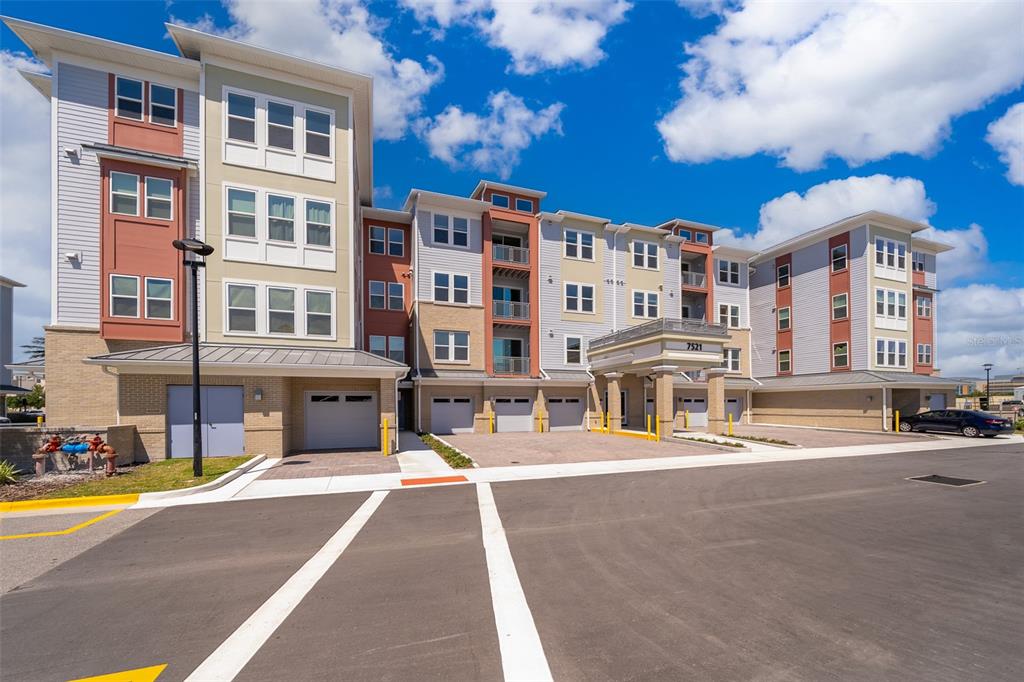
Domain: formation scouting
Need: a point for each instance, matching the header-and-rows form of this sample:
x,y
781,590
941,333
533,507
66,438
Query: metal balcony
x,y
697,280
511,310
508,364
516,255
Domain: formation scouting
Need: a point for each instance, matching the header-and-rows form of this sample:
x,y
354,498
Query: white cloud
x,y
980,323
491,142
1006,135
25,195
342,33
857,80
538,34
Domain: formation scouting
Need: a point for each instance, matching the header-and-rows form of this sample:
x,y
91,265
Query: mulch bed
x,y
31,488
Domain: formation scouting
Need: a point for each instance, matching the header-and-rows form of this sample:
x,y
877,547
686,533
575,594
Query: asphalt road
x,y
823,569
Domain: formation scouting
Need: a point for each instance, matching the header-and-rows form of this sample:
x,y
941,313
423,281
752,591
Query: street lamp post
x,y
988,385
197,249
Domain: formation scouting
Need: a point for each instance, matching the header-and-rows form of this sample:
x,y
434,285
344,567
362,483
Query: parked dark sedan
x,y
970,423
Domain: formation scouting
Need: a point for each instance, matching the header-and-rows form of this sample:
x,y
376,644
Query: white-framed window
x,y
785,318
840,355
840,307
646,304
379,345
499,200
378,240
241,206
781,276
574,350
729,315
924,353
280,218
278,309
579,298
128,98
924,306
579,245
241,306
396,296
396,242
890,304
159,298
451,346
728,272
686,235
890,352
163,105
451,230
700,237
318,223
318,133
241,118
387,241
319,315
378,295
524,205
158,198
917,259
124,296
890,254
840,255
451,288
645,254
124,193
731,359
281,310
785,358
280,125
396,348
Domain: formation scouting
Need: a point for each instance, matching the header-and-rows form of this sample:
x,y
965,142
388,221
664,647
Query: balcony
x,y
515,255
509,364
694,280
511,310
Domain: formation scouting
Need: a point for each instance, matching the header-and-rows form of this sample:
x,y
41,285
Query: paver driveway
x,y
823,438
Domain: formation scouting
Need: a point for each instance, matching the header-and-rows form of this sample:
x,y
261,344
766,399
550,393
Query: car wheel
x,y
906,427
970,431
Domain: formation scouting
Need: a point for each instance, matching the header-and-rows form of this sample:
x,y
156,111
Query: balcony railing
x,y
510,254
508,364
511,310
694,279
660,326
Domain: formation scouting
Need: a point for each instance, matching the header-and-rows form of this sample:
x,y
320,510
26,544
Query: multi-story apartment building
x,y
323,318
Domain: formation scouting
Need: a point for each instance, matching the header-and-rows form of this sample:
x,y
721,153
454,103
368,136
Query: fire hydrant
x,y
39,457
94,449
111,457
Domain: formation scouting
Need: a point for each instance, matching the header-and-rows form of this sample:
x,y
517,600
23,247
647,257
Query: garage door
x,y
451,415
566,414
222,429
698,409
341,420
513,414
734,406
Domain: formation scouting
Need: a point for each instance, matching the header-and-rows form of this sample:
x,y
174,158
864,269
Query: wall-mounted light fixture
x,y
257,395
73,255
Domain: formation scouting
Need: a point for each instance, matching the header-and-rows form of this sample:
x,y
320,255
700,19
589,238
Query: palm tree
x,y
35,349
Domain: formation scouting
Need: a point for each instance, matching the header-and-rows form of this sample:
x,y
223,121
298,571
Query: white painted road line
x,y
238,649
522,654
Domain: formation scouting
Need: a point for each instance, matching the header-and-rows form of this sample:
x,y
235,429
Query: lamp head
x,y
193,246
987,366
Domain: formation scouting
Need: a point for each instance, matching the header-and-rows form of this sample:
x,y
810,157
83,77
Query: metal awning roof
x,y
128,154
855,379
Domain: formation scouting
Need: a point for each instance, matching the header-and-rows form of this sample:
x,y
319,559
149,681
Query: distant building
x,y
7,387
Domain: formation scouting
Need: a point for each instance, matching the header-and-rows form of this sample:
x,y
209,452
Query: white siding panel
x,y
930,278
732,294
811,309
439,257
762,319
860,320
673,276
190,116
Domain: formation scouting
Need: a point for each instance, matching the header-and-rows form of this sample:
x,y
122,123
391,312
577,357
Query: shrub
x,y
1019,425
727,443
455,459
8,474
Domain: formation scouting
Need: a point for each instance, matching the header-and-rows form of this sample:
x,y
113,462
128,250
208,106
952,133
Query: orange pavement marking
x,y
436,479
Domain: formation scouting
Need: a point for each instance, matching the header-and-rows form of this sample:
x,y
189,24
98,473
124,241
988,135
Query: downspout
x,y
885,412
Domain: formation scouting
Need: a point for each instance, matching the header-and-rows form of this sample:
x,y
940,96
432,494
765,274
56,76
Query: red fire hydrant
x,y
94,449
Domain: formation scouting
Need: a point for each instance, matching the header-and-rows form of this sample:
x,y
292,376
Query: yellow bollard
x,y
648,427
686,420
896,425
657,429
386,437
39,421
491,422
730,423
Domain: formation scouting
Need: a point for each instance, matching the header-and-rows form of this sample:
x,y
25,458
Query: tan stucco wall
x,y
584,272
906,287
432,317
851,409
646,280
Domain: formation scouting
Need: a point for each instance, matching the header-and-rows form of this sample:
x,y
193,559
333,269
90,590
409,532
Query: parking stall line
x,y
522,653
238,649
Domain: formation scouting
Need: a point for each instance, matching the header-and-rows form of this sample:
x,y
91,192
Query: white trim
x,y
645,255
451,287
111,193
832,259
887,340
778,361
565,351
149,113
141,100
145,298
138,296
832,359
778,275
646,303
451,346
55,261
580,298
506,197
450,229
263,310
832,303
578,243
531,210
354,222
728,264
789,319
145,197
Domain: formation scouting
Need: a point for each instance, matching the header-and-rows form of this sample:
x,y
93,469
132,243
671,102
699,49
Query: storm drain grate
x,y
946,480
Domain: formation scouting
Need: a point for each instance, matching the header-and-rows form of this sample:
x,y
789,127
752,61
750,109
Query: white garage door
x,y
451,415
341,419
734,407
698,409
566,414
513,414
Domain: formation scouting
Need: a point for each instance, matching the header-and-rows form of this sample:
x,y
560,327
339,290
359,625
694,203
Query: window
x,y
378,295
645,255
318,313
686,235
129,98
242,308
163,106
924,353
451,346
917,258
396,348
241,118
890,254
396,296
158,198
782,275
280,310
645,304
924,306
784,319
525,205
574,350
731,359
451,230
579,298
124,296
378,239
684,310
124,193
890,353
839,255
449,288
701,237
280,125
729,315
579,245
318,223
318,133
499,200
396,242
840,307
159,298
728,272
785,361
890,304
241,213
280,218
379,345
840,355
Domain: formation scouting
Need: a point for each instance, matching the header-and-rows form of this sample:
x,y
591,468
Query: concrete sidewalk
x,y
414,457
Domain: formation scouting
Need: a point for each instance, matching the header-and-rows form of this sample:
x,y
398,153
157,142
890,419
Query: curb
x,y
58,502
710,439
442,440
242,468
761,442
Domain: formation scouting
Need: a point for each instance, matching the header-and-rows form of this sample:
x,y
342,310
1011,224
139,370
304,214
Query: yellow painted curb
x,y
61,502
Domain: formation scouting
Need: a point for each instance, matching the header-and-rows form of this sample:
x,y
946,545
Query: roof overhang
x,y
733,252
676,223
666,342
40,81
416,196
7,282
387,214
501,187
868,217
106,151
930,245
253,369
560,215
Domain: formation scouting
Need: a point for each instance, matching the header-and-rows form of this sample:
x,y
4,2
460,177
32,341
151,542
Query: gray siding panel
x,y
930,278
860,321
190,116
439,257
810,315
762,319
732,294
671,295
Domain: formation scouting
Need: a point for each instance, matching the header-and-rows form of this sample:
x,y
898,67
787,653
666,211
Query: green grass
x,y
170,474
455,459
770,441
727,443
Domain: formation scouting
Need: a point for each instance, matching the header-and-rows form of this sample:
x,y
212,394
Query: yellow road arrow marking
x,y
138,675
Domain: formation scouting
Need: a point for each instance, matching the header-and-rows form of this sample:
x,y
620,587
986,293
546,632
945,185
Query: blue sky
x,y
583,99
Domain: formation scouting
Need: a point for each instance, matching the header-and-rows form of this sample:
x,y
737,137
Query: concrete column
x,y
614,401
716,399
664,409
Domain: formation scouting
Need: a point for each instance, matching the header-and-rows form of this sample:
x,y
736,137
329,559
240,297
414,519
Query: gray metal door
x,y
223,431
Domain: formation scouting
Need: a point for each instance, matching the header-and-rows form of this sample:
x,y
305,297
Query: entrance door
x,y
513,414
649,411
734,406
624,402
341,419
698,409
223,432
566,414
